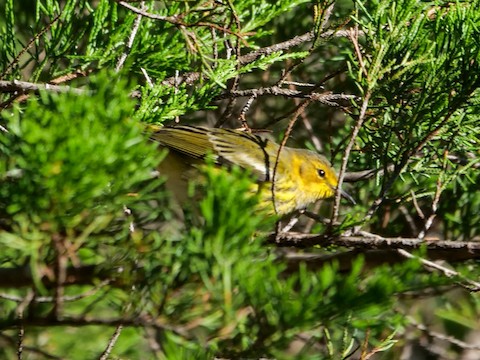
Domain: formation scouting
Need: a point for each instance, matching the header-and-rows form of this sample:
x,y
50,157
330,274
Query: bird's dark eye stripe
x,y
321,172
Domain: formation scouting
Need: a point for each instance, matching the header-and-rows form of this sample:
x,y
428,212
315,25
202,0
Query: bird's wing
x,y
246,150
188,140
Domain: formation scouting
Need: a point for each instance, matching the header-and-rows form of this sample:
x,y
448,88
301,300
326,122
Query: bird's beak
x,y
347,196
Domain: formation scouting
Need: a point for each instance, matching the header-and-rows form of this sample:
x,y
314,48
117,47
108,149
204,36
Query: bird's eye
x,y
321,173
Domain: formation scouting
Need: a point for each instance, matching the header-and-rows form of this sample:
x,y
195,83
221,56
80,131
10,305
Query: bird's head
x,y
318,178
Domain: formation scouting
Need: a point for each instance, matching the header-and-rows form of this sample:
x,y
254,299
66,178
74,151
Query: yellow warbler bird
x,y
300,177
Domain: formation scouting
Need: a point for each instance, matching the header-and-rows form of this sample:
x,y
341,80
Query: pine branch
x,y
190,77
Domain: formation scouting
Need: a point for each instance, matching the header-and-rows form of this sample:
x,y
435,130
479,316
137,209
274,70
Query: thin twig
x,y
464,160
327,98
243,112
346,156
355,131
306,121
22,276
408,217
21,335
297,40
60,274
355,176
174,19
416,205
403,163
128,214
26,301
436,200
372,259
68,77
235,81
292,122
299,84
443,337
353,36
131,39
50,299
316,217
151,337
472,285
21,326
29,45
291,223
190,77
18,88
136,321
24,86
177,21
111,343
31,349
147,77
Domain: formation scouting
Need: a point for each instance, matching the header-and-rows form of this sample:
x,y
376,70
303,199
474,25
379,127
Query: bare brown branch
x,y
327,98
15,86
301,240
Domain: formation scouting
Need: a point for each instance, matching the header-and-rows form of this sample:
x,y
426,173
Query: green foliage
x,y
94,241
57,161
420,75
